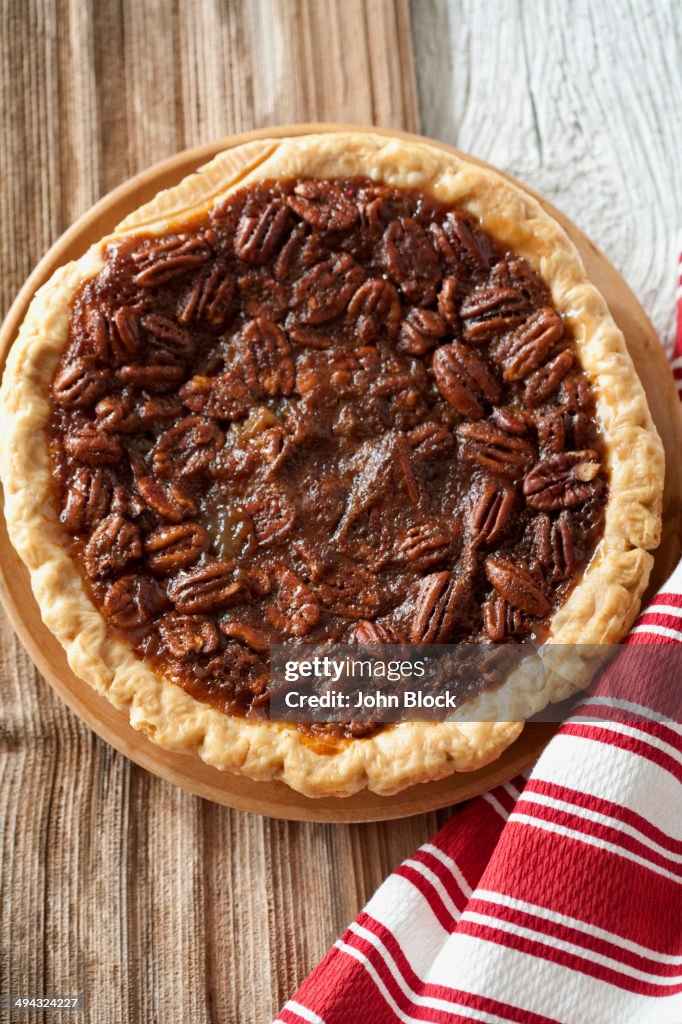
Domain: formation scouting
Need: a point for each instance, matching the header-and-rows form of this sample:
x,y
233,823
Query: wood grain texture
x,y
581,100
158,906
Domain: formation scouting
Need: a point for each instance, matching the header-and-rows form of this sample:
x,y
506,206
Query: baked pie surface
x,y
337,386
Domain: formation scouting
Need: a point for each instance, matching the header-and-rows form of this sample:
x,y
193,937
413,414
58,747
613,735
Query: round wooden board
x,y
276,799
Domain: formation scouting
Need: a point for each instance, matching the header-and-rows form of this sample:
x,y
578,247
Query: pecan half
x,y
207,588
112,546
411,261
500,619
168,500
531,343
257,639
421,330
581,430
116,414
187,448
461,244
576,394
464,379
266,358
437,609
430,440
241,674
185,636
212,297
296,608
153,411
262,230
565,556
514,582
79,384
88,499
300,252
425,545
154,377
551,429
170,548
169,336
488,446
256,581
273,515
133,601
261,295
521,276
489,311
544,382
375,308
226,397
512,421
325,290
162,261
382,205
492,512
447,304
309,337
323,205
123,334
554,545
366,632
93,447
563,480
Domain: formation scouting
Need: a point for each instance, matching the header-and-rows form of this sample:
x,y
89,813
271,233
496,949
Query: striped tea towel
x,y
555,899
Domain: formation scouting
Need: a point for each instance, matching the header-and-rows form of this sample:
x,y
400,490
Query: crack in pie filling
x,y
337,387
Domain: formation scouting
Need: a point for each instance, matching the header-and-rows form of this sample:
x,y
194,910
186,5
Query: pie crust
x,y
599,610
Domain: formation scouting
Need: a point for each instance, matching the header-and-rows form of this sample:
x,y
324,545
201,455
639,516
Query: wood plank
x,y
155,904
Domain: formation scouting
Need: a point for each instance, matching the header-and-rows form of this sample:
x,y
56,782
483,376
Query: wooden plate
x,y
276,799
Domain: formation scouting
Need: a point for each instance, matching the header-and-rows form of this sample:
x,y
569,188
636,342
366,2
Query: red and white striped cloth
x,y
555,899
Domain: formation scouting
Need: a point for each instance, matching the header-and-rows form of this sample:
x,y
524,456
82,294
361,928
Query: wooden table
x,y
156,905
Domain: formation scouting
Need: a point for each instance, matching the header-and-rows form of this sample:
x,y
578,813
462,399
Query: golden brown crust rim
x,y
599,610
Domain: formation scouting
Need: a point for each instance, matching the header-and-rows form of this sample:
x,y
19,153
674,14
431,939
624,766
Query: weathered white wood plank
x,y
580,99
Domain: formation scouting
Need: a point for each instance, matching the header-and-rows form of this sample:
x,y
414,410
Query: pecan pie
x,y
339,387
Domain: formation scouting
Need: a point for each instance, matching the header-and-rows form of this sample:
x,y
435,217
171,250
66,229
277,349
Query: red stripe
x,y
567,933
646,674
470,837
582,965
602,833
445,875
431,895
609,713
588,883
407,1004
654,618
598,805
649,638
434,991
338,981
624,742
667,598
